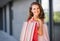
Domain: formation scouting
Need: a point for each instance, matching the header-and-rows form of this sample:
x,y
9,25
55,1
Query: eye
x,y
37,8
33,8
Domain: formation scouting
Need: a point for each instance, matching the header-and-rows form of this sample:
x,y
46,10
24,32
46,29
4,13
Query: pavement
x,y
6,37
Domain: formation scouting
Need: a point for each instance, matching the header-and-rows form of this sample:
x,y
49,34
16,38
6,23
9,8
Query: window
x,y
56,11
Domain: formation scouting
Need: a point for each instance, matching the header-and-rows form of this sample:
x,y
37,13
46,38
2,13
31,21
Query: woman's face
x,y
35,10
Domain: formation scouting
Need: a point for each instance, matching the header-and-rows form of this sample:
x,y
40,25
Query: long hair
x,y
40,16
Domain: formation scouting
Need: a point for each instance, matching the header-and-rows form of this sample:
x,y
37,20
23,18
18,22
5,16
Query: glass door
x,y
56,18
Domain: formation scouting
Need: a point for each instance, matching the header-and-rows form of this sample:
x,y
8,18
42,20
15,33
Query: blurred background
x,y
14,12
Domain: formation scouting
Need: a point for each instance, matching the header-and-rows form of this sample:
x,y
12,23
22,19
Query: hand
x,y
40,30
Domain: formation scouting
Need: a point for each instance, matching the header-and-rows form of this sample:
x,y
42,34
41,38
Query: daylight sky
x,y
56,5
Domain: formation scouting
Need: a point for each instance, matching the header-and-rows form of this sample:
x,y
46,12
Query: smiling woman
x,y
35,29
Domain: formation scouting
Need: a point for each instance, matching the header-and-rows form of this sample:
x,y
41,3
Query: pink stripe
x,y
31,32
25,31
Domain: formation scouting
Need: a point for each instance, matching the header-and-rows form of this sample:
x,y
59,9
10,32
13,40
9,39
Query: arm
x,y
40,30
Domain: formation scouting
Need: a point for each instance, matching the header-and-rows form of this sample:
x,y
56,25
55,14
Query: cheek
x,y
34,11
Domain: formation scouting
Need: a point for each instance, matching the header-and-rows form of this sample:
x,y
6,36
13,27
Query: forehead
x,y
35,6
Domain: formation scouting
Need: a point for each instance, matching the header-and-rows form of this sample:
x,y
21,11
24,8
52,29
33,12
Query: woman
x,y
35,29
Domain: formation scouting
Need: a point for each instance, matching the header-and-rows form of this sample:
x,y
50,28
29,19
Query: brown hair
x,y
41,15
